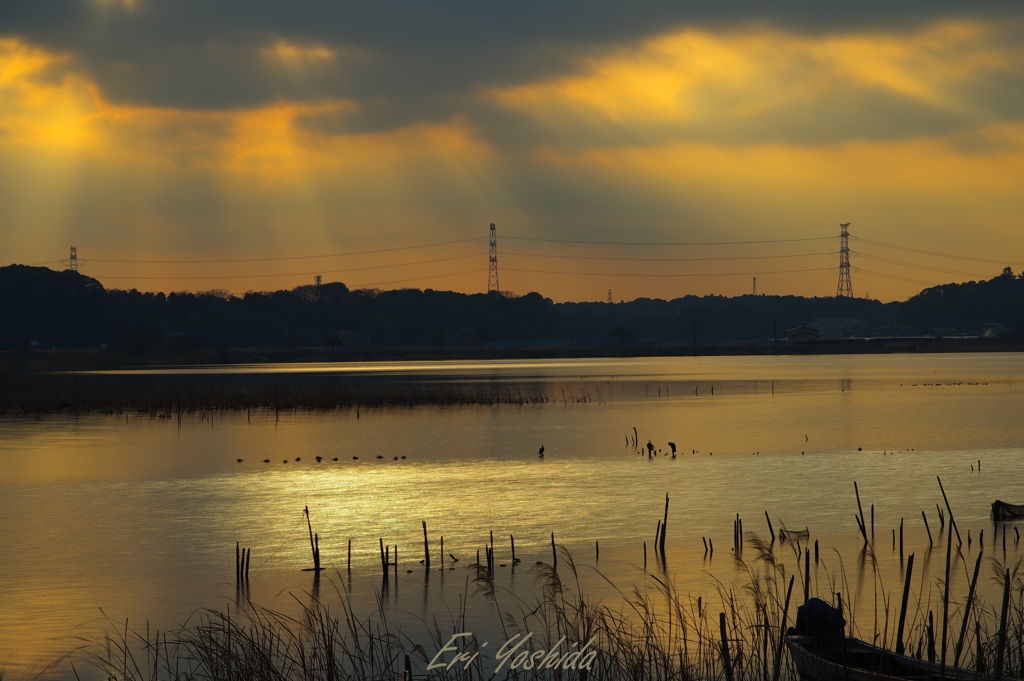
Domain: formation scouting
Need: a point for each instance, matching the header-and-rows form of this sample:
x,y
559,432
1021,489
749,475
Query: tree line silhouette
x,y
49,309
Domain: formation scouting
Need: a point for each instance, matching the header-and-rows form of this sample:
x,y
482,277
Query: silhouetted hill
x,y
969,306
47,309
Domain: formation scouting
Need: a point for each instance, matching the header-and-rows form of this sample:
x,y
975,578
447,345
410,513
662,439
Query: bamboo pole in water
x,y
928,529
771,530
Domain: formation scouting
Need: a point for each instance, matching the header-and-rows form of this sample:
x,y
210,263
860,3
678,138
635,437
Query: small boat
x,y
1002,511
856,660
822,652
794,535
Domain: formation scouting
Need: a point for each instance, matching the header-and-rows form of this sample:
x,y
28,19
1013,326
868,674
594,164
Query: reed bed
x,y
170,397
651,632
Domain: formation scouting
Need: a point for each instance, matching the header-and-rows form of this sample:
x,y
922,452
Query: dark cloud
x,y
198,53
410,61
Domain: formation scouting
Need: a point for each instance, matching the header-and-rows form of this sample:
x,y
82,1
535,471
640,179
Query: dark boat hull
x,y
860,661
1002,511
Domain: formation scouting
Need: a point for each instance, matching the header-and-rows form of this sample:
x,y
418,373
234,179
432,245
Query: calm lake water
x,y
111,518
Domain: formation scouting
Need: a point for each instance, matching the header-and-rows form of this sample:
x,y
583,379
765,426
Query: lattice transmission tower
x,y
72,262
492,272
845,288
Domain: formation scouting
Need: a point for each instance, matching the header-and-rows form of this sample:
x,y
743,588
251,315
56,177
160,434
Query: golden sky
x,y
665,153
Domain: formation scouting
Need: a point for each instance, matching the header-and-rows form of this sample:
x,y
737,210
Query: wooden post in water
x,y
928,529
426,547
872,523
442,551
512,540
771,530
967,612
554,553
979,655
807,575
952,521
903,605
1001,640
945,601
350,556
782,631
901,540
664,526
931,637
726,663
860,509
314,542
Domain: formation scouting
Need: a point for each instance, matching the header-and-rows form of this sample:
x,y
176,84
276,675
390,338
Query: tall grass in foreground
x,y
652,632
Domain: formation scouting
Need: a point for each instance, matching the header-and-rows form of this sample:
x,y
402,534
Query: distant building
x,y
994,330
803,334
343,338
826,330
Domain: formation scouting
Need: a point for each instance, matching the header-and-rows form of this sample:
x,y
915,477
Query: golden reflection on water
x,y
140,517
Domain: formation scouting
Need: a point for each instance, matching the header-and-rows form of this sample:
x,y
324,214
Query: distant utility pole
x,y
755,286
845,288
492,273
609,296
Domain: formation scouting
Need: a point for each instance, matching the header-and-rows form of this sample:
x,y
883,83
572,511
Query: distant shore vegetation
x,y
49,311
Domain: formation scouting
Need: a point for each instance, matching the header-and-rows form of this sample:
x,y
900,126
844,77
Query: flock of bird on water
x,y
651,453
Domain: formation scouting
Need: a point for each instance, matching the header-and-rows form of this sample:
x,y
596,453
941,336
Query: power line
x,y
303,274
617,258
668,243
292,257
404,281
896,277
910,264
673,274
935,253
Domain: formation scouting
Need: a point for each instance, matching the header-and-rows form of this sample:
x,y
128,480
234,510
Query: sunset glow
x,y
278,144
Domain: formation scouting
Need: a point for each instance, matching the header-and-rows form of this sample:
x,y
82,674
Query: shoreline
x,y
39,383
